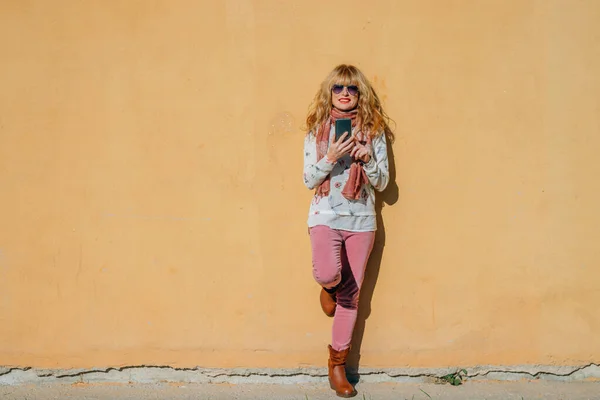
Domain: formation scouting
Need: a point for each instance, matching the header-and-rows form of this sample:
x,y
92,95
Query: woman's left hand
x,y
361,152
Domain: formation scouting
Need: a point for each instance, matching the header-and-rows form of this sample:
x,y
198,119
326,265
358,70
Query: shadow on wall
x,y
389,196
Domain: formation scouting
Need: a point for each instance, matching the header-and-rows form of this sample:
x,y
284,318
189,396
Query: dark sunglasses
x,y
352,90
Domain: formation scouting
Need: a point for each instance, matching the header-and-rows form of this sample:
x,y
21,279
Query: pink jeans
x,y
340,257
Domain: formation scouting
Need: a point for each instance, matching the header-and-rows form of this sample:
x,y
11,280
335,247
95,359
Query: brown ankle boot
x,y
327,303
337,373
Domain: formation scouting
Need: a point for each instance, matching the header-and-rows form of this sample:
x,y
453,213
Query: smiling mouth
x,y
344,100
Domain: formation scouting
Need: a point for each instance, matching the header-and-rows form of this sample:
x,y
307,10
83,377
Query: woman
x,y
342,218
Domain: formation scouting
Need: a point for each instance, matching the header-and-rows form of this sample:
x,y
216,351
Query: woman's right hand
x,y
339,148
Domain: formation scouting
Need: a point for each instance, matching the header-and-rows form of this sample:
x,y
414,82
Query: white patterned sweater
x,y
335,210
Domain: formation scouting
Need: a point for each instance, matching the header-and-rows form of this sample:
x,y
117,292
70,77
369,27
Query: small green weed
x,y
455,378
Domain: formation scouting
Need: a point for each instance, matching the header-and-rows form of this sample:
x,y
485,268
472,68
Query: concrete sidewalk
x,y
476,390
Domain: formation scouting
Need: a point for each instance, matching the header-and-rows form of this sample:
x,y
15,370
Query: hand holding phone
x,y
340,147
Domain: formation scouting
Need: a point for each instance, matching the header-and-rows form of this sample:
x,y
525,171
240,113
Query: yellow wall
x,y
152,209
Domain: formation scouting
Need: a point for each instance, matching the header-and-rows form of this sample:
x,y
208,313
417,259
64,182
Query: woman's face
x,y
344,98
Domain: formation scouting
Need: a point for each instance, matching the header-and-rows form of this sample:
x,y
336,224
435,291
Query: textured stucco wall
x,y
151,203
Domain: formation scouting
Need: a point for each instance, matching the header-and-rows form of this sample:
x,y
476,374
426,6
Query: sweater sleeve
x,y
377,169
315,171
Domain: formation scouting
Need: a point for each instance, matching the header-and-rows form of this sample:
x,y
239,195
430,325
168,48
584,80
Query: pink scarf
x,y
357,176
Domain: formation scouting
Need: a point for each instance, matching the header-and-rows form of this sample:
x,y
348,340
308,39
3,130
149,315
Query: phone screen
x,y
343,125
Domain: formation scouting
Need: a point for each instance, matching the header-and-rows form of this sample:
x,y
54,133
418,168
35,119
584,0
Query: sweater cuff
x,y
325,165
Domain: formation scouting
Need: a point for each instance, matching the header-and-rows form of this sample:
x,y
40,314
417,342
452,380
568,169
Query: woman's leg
x,y
357,249
326,246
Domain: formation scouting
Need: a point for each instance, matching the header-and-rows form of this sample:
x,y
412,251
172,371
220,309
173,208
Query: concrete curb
x,y
156,374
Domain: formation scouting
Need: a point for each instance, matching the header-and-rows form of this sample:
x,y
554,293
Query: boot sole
x,y
329,315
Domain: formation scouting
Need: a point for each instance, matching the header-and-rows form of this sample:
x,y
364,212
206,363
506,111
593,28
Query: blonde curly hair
x,y
371,117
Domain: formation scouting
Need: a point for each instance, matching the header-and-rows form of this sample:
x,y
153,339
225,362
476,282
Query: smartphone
x,y
343,125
